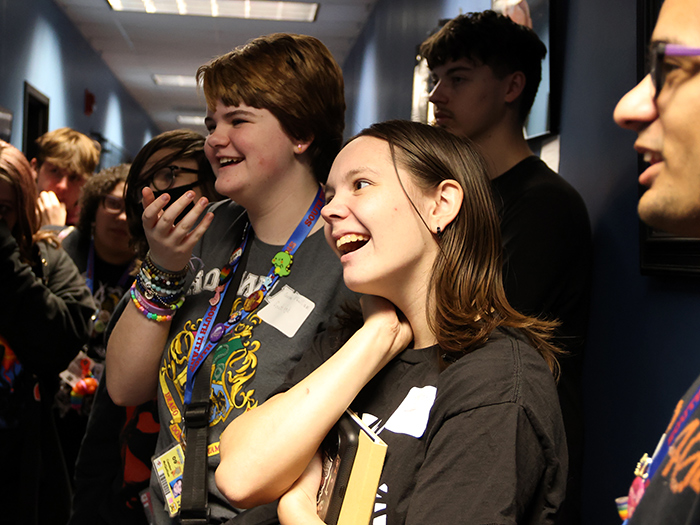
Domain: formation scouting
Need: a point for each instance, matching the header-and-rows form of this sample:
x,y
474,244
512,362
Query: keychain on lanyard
x,y
647,466
209,334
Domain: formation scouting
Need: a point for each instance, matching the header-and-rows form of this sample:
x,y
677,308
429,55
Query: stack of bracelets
x,y
156,292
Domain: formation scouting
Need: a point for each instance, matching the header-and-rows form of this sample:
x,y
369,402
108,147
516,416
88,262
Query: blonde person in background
x,y
64,161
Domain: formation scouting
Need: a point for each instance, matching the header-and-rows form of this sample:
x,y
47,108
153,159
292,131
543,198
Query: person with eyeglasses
x,y
114,461
231,294
664,111
173,163
100,247
64,161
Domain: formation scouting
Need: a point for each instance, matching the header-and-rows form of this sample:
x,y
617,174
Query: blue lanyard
x,y
208,334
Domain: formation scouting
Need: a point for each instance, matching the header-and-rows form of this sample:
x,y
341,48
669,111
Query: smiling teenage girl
x,y
264,280
457,383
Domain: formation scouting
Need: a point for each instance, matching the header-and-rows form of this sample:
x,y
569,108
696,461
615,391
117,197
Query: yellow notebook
x,y
352,465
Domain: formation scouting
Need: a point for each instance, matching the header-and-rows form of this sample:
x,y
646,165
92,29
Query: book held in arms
x,y
353,457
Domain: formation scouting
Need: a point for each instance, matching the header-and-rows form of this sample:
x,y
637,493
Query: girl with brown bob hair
x,y
44,318
229,296
458,384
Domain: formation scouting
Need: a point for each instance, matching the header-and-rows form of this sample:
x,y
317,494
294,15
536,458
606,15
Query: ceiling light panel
x,y
175,80
253,9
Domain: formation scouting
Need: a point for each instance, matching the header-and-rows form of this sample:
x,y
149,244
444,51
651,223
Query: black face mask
x,y
175,194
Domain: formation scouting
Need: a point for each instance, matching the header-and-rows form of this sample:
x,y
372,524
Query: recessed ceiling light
x,y
175,80
190,120
256,9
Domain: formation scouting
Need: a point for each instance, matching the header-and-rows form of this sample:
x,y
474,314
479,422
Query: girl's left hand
x,y
298,505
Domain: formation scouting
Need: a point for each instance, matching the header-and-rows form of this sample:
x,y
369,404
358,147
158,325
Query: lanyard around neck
x,y
209,334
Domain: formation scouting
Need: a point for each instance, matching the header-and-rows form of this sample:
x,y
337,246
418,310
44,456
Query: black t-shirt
x,y
547,255
480,442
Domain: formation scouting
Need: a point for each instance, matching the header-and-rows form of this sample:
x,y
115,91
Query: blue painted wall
x,y
39,45
644,340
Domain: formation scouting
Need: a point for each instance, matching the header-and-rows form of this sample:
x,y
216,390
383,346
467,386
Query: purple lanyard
x,y
208,334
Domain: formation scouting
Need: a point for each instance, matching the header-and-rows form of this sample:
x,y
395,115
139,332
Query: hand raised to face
x,y
171,242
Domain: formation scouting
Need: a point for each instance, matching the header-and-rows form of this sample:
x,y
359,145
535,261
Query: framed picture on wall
x,y
660,253
36,119
5,124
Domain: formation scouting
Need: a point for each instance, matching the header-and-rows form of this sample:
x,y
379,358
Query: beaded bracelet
x,y
159,270
153,307
150,311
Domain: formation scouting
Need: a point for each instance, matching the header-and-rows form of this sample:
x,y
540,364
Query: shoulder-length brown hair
x,y
16,171
466,299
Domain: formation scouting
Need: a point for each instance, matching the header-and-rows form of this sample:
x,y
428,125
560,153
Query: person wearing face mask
x,y
229,296
171,163
113,464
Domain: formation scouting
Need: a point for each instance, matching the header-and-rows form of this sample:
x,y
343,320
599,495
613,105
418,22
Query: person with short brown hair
x,y
248,284
65,160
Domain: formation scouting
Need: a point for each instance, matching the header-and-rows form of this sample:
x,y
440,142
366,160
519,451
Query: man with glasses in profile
x,y
64,161
664,111
487,69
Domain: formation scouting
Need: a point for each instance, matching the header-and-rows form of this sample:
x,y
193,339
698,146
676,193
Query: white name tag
x,y
286,310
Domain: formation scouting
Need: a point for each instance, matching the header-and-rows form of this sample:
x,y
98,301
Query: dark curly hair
x,y
97,188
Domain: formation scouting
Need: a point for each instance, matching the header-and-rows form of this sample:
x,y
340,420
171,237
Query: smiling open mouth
x,y
351,242
227,161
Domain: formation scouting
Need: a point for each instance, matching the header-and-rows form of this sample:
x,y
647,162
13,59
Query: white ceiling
x,y
136,46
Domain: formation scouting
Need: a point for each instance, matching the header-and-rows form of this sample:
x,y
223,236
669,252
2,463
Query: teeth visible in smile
x,y
651,157
225,161
351,242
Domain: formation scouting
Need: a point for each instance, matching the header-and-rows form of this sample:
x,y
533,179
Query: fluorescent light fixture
x,y
190,120
255,9
175,80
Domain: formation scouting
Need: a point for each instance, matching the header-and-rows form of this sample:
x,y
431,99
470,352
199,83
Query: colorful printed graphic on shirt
x,y
682,470
233,368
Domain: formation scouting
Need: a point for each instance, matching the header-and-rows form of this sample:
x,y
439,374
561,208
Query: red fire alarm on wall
x,y
89,103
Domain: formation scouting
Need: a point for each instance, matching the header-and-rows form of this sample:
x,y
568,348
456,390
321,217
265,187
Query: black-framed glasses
x,y
164,178
659,70
113,204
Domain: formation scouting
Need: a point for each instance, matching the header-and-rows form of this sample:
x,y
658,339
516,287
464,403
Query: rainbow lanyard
x,y
209,334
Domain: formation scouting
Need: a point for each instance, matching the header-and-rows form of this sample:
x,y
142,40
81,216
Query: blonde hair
x,y
69,149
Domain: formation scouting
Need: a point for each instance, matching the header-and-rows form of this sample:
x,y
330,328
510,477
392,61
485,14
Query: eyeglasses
x,y
660,69
165,177
113,204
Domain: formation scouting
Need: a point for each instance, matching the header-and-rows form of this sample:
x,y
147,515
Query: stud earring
x,y
299,148
438,232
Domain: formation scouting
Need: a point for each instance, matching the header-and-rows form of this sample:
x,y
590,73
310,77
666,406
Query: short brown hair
x,y
69,149
467,297
296,78
494,40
